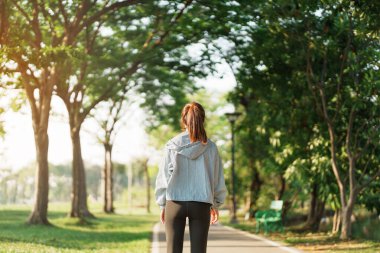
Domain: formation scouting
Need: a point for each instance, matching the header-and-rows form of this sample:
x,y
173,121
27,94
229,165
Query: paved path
x,y
223,239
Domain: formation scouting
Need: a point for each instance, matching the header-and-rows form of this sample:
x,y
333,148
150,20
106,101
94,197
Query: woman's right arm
x,y
162,180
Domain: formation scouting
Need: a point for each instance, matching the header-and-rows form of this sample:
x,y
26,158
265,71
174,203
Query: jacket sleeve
x,y
162,180
220,190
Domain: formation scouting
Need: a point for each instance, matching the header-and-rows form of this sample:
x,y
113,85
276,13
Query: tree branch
x,y
81,12
341,71
364,185
106,10
73,27
4,22
36,25
112,132
309,77
131,70
172,23
155,30
109,90
364,149
22,11
331,134
351,157
66,21
64,95
22,66
90,41
48,18
365,168
349,131
358,131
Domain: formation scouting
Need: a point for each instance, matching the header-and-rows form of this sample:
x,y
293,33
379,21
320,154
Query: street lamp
x,y
232,117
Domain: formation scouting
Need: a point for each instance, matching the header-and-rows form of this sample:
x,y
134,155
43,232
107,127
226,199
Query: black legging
x,y
175,222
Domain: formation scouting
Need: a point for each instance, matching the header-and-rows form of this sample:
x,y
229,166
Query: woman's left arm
x,y
220,190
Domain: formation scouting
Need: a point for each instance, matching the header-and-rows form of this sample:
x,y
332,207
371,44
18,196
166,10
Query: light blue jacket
x,y
190,172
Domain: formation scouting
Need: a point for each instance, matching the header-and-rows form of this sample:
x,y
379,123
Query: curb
x,y
155,243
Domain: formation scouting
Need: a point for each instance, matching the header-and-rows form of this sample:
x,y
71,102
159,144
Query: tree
x,y
332,49
147,184
275,128
341,74
35,54
110,125
89,17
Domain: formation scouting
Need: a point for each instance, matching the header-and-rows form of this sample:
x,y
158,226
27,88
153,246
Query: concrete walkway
x,y
223,239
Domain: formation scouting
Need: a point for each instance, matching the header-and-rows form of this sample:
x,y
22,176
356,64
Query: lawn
x,y
321,242
127,231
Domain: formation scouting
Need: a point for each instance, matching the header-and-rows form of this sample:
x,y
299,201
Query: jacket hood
x,y
182,145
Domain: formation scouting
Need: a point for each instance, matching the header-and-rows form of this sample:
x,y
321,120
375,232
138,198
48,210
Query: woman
x,y
190,183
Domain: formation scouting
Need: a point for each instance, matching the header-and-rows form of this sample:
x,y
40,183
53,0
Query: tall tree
x,y
342,74
320,56
30,49
90,17
147,185
275,127
115,109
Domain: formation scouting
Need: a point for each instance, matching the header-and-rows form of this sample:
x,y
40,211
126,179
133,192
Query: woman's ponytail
x,y
193,118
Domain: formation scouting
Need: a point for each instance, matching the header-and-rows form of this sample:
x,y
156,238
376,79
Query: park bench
x,y
271,219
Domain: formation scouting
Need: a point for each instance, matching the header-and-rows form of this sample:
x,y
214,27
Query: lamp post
x,y
232,117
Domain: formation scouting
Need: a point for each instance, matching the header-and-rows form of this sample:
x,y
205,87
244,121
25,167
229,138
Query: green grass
x,y
129,231
311,242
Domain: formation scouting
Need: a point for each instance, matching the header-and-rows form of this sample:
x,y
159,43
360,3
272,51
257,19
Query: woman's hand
x,y
162,217
214,213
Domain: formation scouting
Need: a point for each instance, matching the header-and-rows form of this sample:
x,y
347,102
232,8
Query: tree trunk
x,y
346,219
317,207
282,188
39,213
336,221
320,209
147,185
14,199
130,184
248,201
79,194
346,224
313,203
40,109
4,24
254,190
287,203
108,180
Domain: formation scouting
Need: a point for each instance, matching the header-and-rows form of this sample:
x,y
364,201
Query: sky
x,y
17,150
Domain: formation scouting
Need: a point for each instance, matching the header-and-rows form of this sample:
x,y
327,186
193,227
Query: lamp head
x,y
232,116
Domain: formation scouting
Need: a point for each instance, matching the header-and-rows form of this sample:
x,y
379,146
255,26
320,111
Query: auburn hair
x,y
193,118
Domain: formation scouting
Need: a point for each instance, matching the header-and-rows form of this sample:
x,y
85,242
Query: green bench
x,y
270,219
